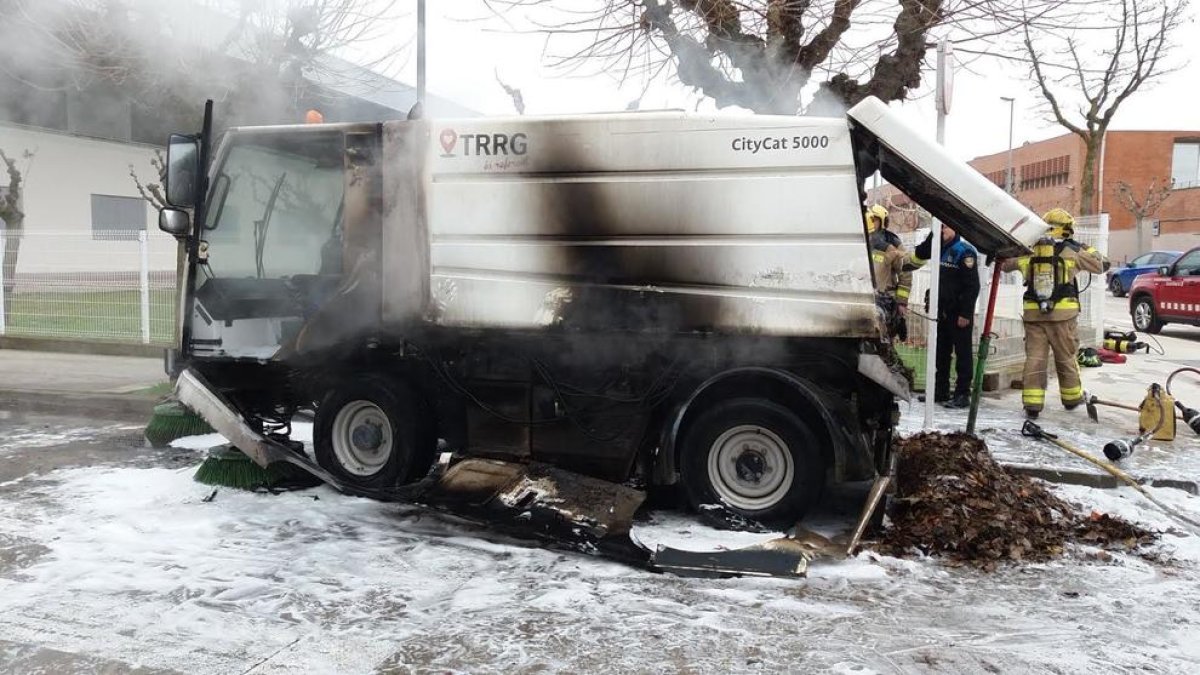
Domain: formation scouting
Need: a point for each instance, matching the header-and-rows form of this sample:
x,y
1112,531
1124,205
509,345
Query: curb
x,y
95,347
1097,480
132,407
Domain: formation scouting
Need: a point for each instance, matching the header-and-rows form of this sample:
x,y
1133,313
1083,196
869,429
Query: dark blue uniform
x,y
958,289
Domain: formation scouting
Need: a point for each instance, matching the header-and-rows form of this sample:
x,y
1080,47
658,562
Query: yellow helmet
x,y
876,217
1061,223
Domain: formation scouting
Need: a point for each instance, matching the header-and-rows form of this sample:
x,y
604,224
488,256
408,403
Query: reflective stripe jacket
x,y
958,284
887,261
1076,257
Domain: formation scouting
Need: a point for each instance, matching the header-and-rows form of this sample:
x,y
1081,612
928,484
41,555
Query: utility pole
x,y
945,88
421,54
1009,179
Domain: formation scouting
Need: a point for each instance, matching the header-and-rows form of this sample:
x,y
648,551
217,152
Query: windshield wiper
x,y
262,225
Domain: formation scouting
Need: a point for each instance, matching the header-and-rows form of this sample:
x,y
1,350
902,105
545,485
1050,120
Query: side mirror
x,y
174,222
183,170
1164,271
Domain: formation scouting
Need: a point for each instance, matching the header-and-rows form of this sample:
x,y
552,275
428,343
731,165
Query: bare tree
x,y
764,54
1145,207
13,216
152,192
1097,79
237,50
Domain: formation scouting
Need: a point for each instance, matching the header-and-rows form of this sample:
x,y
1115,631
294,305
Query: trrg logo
x,y
482,145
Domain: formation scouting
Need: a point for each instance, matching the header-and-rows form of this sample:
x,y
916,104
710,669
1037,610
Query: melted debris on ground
x,y
955,502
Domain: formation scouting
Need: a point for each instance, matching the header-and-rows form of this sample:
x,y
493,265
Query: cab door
x,y
1180,295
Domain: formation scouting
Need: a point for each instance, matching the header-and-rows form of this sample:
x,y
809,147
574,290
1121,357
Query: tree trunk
x,y
1087,183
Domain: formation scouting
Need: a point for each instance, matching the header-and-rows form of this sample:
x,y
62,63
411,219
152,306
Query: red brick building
x,y
1048,174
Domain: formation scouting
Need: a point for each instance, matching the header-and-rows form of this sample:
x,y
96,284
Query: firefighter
x,y
892,279
1051,306
958,289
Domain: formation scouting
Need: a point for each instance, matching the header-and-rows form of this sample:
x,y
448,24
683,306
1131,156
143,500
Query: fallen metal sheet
x,y
782,557
549,501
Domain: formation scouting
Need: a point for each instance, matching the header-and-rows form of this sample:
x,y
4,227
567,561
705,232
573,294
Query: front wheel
x,y
754,457
373,433
1115,286
1143,316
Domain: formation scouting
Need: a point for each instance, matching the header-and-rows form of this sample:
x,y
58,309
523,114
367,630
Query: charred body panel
x,y
666,223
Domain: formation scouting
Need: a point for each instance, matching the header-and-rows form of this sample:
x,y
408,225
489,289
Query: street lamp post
x,y
421,53
1008,175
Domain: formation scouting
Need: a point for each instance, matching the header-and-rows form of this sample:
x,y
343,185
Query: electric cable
x,y
1160,350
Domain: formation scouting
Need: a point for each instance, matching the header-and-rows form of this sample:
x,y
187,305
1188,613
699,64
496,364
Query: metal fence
x,y
77,285
1008,347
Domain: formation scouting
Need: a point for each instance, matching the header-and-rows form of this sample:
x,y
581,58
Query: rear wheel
x,y
1114,285
1144,318
755,458
373,433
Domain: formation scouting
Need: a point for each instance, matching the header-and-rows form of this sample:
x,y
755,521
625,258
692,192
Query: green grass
x,y
914,358
160,389
98,315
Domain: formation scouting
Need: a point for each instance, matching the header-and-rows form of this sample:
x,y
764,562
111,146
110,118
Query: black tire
x,y
765,429
1144,318
1115,286
396,444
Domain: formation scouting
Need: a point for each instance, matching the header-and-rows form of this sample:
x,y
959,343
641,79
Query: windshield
x,y
275,202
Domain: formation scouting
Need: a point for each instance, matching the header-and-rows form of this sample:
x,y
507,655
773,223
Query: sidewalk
x,y
79,383
1175,463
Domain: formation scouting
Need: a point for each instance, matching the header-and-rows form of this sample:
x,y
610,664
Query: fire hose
x,y
1032,430
1191,416
1122,448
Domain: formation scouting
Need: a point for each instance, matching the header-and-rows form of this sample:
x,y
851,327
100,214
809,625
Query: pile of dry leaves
x,y
954,501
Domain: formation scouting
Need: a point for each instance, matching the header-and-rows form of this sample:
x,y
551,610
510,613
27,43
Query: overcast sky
x,y
463,55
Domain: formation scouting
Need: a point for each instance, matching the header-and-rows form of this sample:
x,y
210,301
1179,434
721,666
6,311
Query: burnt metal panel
x,y
648,222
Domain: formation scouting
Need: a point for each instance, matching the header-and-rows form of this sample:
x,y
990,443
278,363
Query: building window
x,y
117,217
997,177
1185,164
1046,173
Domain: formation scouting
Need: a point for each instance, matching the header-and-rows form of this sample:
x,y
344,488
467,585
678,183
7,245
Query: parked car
x,y
1121,278
1169,295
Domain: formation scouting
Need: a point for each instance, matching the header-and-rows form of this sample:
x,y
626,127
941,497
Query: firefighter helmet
x,y
876,217
1061,223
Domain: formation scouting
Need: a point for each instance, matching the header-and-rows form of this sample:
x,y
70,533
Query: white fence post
x,y
3,245
144,283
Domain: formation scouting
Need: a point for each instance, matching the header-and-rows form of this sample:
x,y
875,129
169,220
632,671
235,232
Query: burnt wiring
x,y
657,392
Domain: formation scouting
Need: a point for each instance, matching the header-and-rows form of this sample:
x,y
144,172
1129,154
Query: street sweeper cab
x,y
642,300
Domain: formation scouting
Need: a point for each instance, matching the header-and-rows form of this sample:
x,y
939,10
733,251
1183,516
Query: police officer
x,y
958,289
1051,310
893,278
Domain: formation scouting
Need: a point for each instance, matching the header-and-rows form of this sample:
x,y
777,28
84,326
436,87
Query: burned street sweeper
x,y
632,300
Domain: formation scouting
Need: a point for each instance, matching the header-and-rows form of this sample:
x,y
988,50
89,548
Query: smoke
x,y
138,69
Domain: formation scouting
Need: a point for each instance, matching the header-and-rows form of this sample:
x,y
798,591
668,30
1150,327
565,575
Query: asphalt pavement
x,y
80,384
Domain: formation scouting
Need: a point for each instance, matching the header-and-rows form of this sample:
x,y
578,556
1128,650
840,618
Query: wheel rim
x,y
362,438
1115,285
750,467
1142,315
